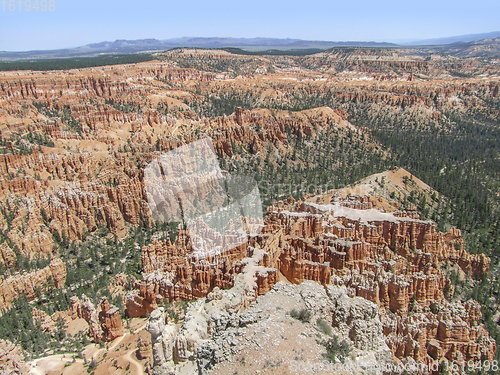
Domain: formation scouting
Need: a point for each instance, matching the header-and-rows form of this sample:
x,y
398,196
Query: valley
x,y
378,176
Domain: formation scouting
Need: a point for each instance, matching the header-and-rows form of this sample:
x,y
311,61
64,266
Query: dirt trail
x,y
58,358
111,348
37,367
138,366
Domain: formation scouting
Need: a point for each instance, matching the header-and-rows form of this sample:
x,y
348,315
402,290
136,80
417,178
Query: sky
x,y
74,23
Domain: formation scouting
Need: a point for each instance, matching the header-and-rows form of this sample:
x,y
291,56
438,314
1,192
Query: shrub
x,y
303,315
336,349
324,327
92,365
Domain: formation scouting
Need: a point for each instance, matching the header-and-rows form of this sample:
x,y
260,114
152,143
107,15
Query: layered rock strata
x,y
392,259
104,324
11,287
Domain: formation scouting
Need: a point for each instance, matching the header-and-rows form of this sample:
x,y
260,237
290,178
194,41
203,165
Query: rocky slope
x,y
104,324
12,359
106,123
220,338
390,258
74,145
12,287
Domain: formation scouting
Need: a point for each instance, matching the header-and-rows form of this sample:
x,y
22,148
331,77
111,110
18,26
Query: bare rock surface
x,y
220,338
266,339
12,359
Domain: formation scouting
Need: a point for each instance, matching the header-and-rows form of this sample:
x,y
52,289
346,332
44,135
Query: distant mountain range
x,y
249,44
150,45
456,39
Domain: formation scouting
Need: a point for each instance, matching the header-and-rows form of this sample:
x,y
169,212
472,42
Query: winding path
x,y
138,366
67,357
56,357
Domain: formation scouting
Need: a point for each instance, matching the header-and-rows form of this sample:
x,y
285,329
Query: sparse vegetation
x,y
336,350
303,315
74,63
324,327
453,148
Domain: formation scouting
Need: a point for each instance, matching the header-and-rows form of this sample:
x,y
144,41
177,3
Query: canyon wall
x,y
392,259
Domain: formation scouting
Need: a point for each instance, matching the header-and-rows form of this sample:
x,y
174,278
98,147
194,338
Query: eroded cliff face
x,y
12,359
104,323
85,171
449,330
106,124
56,193
75,143
11,287
392,259
110,320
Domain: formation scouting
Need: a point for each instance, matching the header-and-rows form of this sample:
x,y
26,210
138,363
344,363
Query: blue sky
x,y
77,22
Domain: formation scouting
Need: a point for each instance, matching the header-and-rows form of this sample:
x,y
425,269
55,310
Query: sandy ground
x,y
380,186
277,344
117,357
